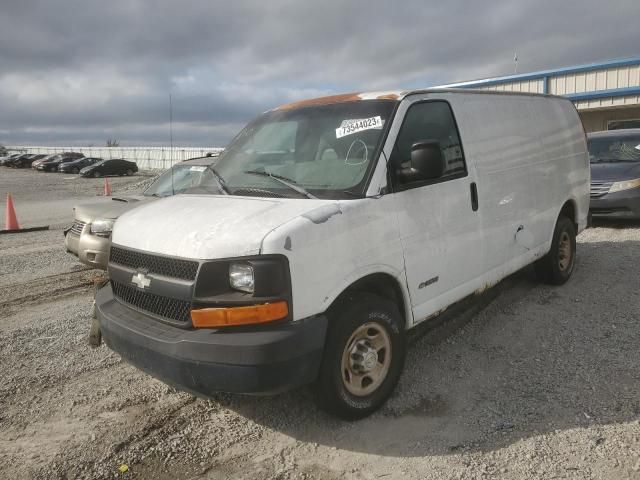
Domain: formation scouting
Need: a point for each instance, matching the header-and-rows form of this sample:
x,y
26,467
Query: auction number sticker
x,y
197,168
350,127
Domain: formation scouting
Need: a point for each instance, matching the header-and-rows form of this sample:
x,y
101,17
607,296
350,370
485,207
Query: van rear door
x,y
438,219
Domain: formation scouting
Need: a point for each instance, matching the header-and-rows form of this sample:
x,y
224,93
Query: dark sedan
x,y
77,165
52,164
615,174
115,166
5,161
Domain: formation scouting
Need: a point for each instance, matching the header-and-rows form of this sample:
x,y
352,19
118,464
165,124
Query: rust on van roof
x,y
342,98
395,95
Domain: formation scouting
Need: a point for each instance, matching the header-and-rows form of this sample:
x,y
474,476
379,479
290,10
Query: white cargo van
x,y
330,227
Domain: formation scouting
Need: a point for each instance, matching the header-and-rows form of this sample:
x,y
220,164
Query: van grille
x,y
598,189
165,307
77,227
169,267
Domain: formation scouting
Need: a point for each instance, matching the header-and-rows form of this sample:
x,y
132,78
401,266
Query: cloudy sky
x,y
79,72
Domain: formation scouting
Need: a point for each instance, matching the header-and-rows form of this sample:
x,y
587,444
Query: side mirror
x,y
427,162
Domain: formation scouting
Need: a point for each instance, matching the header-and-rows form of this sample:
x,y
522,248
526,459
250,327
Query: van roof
x,y
623,132
395,95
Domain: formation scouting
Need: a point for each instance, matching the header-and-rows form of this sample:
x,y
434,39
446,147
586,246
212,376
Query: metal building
x,y
606,94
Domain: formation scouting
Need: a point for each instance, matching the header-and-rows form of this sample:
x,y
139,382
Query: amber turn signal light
x,y
229,316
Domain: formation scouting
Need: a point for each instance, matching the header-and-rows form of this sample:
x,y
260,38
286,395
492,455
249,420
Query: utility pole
x,y
170,132
515,61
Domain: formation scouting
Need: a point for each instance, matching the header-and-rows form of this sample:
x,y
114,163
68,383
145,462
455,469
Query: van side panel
x,y
567,143
530,157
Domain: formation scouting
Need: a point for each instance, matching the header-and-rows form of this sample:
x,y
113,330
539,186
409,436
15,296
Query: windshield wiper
x,y
219,179
283,180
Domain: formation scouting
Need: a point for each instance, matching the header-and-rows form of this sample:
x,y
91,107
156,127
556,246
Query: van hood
x,y
111,207
615,171
212,226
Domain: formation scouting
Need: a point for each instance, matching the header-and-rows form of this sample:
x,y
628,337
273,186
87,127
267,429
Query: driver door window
x,y
431,120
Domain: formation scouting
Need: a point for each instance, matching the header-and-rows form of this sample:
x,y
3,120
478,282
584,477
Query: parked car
x,y
89,238
8,158
615,173
35,163
52,164
333,226
76,165
25,161
115,166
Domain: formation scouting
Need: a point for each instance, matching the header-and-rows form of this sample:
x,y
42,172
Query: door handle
x,y
474,196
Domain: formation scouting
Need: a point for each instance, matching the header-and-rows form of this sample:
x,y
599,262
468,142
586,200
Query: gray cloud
x,y
77,72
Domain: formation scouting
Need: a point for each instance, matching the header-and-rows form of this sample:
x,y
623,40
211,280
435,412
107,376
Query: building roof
x,y
611,89
588,67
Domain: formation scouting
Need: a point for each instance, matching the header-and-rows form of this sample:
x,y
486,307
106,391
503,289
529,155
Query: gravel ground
x,y
530,381
48,198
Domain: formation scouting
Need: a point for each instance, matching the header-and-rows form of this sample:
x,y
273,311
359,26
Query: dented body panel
x,y
205,227
327,253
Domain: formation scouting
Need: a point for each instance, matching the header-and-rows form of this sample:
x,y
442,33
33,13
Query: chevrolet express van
x,y
330,227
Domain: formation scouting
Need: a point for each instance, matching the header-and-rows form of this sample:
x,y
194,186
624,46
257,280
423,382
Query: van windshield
x,y
324,151
614,149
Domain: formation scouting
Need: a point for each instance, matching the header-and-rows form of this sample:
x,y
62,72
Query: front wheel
x,y
75,170
363,357
96,174
556,266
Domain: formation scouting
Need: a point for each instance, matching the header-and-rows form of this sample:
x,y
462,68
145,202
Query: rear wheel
x,y
363,357
129,172
556,266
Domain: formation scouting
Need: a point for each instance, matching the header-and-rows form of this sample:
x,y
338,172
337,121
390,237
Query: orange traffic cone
x,y
11,221
107,187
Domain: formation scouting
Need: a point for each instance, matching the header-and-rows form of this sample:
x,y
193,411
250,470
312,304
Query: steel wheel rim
x,y
366,359
564,251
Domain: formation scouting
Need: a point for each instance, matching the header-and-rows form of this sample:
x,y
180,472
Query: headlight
x,y
102,226
625,185
241,277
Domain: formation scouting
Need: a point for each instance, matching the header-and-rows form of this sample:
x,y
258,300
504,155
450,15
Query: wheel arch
x,y
570,210
384,285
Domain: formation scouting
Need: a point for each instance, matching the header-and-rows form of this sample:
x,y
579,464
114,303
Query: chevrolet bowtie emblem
x,y
141,280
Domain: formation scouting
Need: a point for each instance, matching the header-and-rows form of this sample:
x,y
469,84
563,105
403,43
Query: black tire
x,y
96,174
129,172
556,267
345,320
75,170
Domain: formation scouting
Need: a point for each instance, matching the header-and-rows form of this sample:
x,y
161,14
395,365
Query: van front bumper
x,y
623,205
205,361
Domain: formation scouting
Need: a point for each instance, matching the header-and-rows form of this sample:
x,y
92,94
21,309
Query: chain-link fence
x,y
147,158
